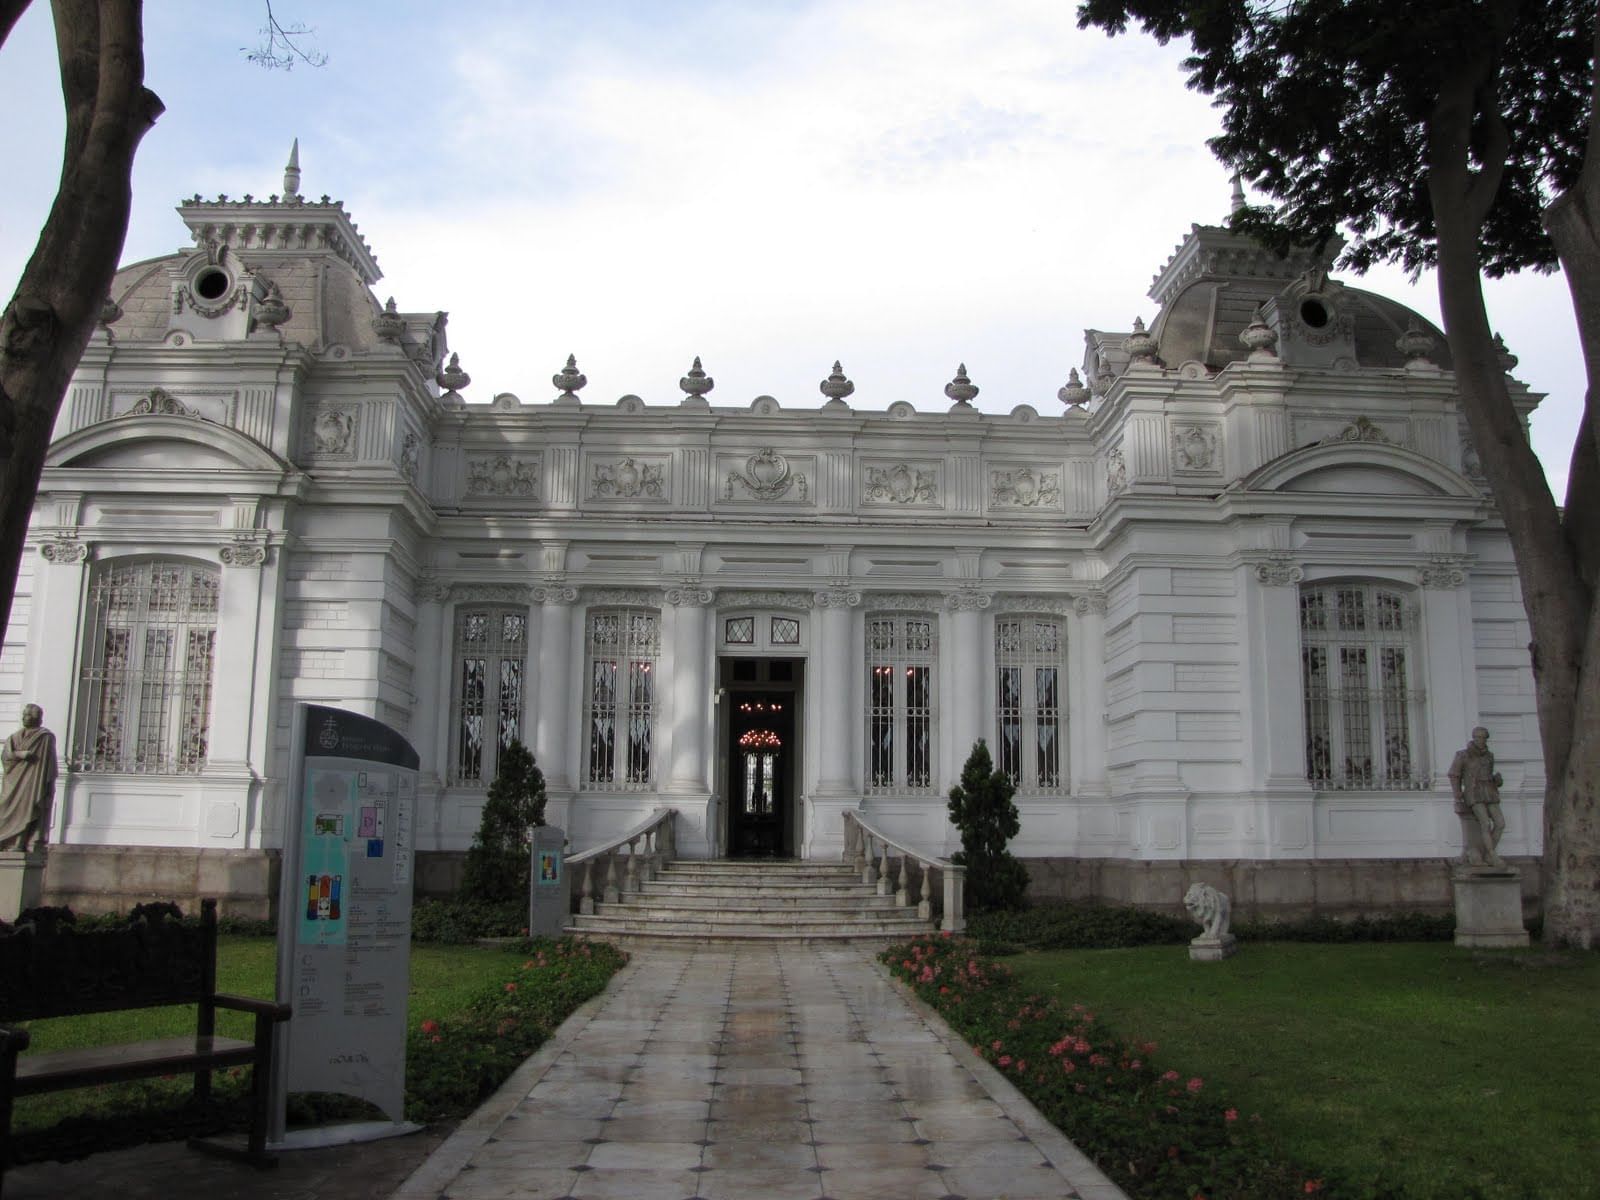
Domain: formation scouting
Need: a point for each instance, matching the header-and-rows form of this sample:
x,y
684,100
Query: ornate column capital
x,y
1443,571
433,590
1279,570
243,554
555,593
967,600
690,595
1090,603
64,548
836,598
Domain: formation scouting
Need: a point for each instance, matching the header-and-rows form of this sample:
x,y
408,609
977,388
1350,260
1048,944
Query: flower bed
x,y
1159,1134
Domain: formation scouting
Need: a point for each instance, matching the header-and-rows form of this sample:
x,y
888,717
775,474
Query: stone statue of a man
x,y
29,784
1476,787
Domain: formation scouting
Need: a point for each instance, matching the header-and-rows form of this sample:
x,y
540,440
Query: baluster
x,y
612,894
633,864
869,872
883,871
651,867
924,896
586,889
955,899
901,896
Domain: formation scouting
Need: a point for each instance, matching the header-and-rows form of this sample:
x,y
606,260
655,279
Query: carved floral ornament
x,y
1025,488
1090,603
968,600
480,593
628,479
690,596
555,593
1116,472
64,551
836,598
900,484
735,600
333,431
502,476
767,475
1443,571
243,554
622,597
1279,570
160,403
1194,448
1362,429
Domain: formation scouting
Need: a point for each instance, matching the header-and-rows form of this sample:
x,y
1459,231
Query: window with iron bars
x,y
1028,716
622,648
1363,711
491,656
902,721
144,688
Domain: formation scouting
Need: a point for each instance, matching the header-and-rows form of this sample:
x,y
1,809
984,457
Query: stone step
x,y
750,889
731,926
762,916
841,903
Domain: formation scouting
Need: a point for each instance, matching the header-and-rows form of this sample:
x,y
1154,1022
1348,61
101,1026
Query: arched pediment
x,y
1359,468
162,441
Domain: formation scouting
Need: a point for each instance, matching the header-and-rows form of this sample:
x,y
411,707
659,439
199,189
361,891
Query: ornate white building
x,y
1224,613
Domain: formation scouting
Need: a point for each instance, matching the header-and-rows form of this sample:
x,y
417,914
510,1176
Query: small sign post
x,y
550,891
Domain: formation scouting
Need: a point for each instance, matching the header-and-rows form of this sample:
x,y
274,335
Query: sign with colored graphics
x,y
345,911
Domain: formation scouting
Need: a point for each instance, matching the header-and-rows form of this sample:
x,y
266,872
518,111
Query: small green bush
x,y
1079,927
982,812
455,921
499,861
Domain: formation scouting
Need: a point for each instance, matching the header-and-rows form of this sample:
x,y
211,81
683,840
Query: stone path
x,y
778,1072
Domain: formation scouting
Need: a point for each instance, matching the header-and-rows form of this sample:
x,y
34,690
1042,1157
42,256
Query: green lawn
x,y
443,980
1419,1065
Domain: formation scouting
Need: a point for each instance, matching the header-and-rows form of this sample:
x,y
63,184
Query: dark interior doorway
x,y
762,756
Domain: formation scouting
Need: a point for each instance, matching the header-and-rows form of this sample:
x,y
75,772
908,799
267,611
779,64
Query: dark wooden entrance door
x,y
760,749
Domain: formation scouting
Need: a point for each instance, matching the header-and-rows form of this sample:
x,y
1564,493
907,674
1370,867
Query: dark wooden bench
x,y
48,969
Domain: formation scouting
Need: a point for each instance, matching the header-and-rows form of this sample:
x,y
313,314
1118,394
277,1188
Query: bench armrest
x,y
13,1040
261,1008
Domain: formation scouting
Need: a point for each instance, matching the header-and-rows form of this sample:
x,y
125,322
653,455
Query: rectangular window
x,y
490,658
145,682
1360,709
1028,667
622,649
901,713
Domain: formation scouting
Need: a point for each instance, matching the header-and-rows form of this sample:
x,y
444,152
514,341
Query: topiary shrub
x,y
982,812
497,866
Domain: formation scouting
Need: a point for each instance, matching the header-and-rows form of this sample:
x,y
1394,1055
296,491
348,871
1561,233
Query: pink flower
x,y
1168,1076
430,1027
1194,1085
511,987
995,1045
1022,1064
1005,1060
1313,1186
1231,1115
1068,1066
436,1038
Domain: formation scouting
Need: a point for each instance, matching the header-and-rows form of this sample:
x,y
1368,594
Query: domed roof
x,y
1217,282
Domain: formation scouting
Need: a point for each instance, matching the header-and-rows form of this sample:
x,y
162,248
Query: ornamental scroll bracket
x,y
767,475
1443,571
1279,570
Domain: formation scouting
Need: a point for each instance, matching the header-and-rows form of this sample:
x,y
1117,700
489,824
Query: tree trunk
x,y
1566,637
45,328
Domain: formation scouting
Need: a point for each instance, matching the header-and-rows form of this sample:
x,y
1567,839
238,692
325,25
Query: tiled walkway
x,y
761,1073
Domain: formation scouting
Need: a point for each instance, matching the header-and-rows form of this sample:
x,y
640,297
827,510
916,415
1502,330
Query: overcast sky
x,y
770,184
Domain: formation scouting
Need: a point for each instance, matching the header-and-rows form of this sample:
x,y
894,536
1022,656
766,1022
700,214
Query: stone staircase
x,y
753,901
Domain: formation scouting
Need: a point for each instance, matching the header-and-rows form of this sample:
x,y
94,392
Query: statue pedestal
x,y
1204,949
1488,907
21,881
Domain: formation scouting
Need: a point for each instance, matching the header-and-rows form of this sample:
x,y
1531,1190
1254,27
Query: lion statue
x,y
1209,909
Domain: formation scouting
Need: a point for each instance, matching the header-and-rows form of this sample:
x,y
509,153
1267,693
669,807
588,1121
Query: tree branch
x,y
10,10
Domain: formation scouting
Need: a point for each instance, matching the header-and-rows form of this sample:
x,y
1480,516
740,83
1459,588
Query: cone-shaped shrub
x,y
982,812
497,866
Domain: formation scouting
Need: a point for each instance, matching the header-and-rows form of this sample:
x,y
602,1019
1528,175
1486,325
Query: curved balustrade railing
x,y
905,873
621,865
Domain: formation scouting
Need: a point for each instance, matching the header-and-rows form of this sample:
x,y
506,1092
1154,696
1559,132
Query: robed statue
x,y
29,783
1475,784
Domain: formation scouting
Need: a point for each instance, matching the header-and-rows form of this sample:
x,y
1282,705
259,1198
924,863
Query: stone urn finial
x,y
1260,339
696,382
961,389
1072,393
1416,345
1141,347
836,387
111,312
569,379
271,311
389,324
452,378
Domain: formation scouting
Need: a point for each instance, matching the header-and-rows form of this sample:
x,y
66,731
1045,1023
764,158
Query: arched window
x,y
491,655
902,723
1363,702
1029,669
144,686
622,648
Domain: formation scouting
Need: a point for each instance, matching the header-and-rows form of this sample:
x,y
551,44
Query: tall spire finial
x,y
1238,193
291,173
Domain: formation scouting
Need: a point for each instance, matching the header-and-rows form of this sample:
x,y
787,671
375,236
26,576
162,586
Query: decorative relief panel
x,y
628,479
1025,487
503,476
622,597
767,599
767,475
902,483
1194,449
904,602
1116,472
333,433
1011,602
479,593
410,456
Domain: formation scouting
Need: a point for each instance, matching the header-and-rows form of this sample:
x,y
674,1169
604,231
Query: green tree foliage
x,y
982,811
499,861
1457,134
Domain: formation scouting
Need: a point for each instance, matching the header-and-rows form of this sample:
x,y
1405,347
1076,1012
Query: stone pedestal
x,y
1488,907
550,890
21,882
1204,949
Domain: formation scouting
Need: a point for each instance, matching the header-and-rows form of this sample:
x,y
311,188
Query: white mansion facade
x,y
1226,610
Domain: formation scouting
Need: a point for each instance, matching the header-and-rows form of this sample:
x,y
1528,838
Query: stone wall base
x,y
101,879
1265,890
